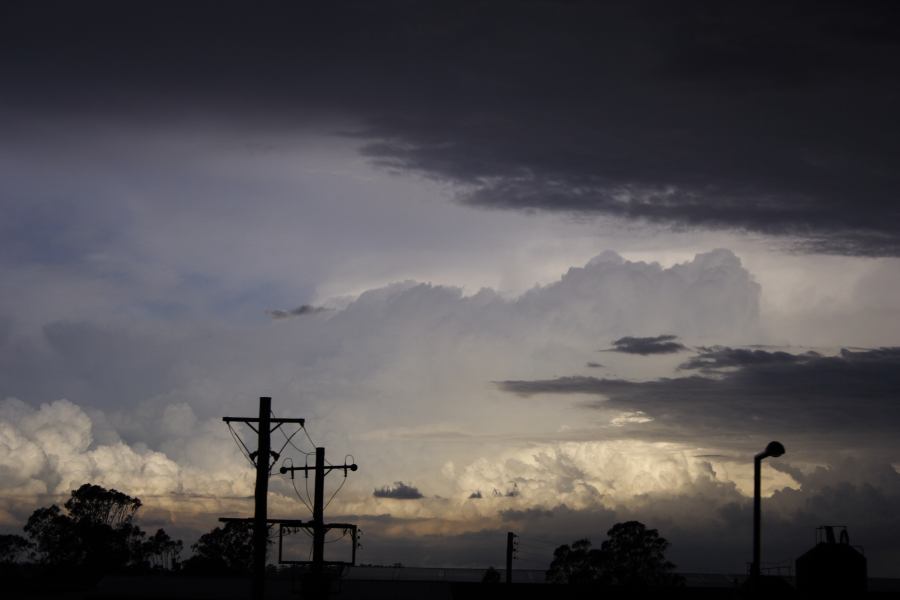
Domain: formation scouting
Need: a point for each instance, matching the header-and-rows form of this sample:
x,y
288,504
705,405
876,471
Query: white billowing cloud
x,y
584,475
48,451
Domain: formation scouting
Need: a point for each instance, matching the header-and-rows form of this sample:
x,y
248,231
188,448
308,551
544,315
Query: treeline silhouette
x,y
94,533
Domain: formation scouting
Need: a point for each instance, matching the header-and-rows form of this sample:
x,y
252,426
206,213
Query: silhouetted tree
x,y
94,504
227,549
96,533
54,536
162,552
634,556
578,563
14,549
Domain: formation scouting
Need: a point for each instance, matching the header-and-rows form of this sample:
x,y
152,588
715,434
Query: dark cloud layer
x,y
398,491
710,359
821,402
772,117
661,344
305,309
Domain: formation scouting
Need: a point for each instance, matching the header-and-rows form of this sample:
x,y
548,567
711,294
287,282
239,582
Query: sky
x,y
535,266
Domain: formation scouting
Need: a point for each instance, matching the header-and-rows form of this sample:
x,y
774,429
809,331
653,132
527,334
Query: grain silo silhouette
x,y
832,566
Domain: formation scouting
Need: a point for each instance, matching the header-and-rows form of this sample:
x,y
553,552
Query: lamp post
x,y
773,449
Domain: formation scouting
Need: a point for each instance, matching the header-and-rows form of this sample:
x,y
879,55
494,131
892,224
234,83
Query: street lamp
x,y
773,449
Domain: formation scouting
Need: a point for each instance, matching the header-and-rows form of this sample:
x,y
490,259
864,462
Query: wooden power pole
x,y
260,498
261,457
318,523
319,512
510,548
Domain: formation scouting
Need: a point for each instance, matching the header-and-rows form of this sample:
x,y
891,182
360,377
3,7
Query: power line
x,y
352,460
294,485
336,491
306,481
337,539
292,444
306,431
245,452
287,439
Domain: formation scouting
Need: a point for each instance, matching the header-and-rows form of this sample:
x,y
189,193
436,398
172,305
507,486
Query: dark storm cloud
x,y
305,309
661,344
772,117
719,357
849,399
398,491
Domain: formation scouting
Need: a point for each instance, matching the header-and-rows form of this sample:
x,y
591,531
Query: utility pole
x,y
260,497
319,527
319,511
510,549
261,457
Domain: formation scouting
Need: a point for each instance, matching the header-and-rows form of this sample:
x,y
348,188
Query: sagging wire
x,y
309,438
294,485
245,452
306,480
337,539
352,460
306,431
287,439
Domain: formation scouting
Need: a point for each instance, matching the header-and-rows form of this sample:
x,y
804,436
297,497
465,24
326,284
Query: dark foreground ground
x,y
388,584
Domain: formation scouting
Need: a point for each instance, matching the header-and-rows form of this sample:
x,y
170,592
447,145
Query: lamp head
x,y
775,449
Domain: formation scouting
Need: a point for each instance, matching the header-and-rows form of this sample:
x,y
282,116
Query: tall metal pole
x,y
775,449
319,512
757,467
260,528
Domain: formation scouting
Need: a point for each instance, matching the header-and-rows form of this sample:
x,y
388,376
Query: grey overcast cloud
x,y
541,266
